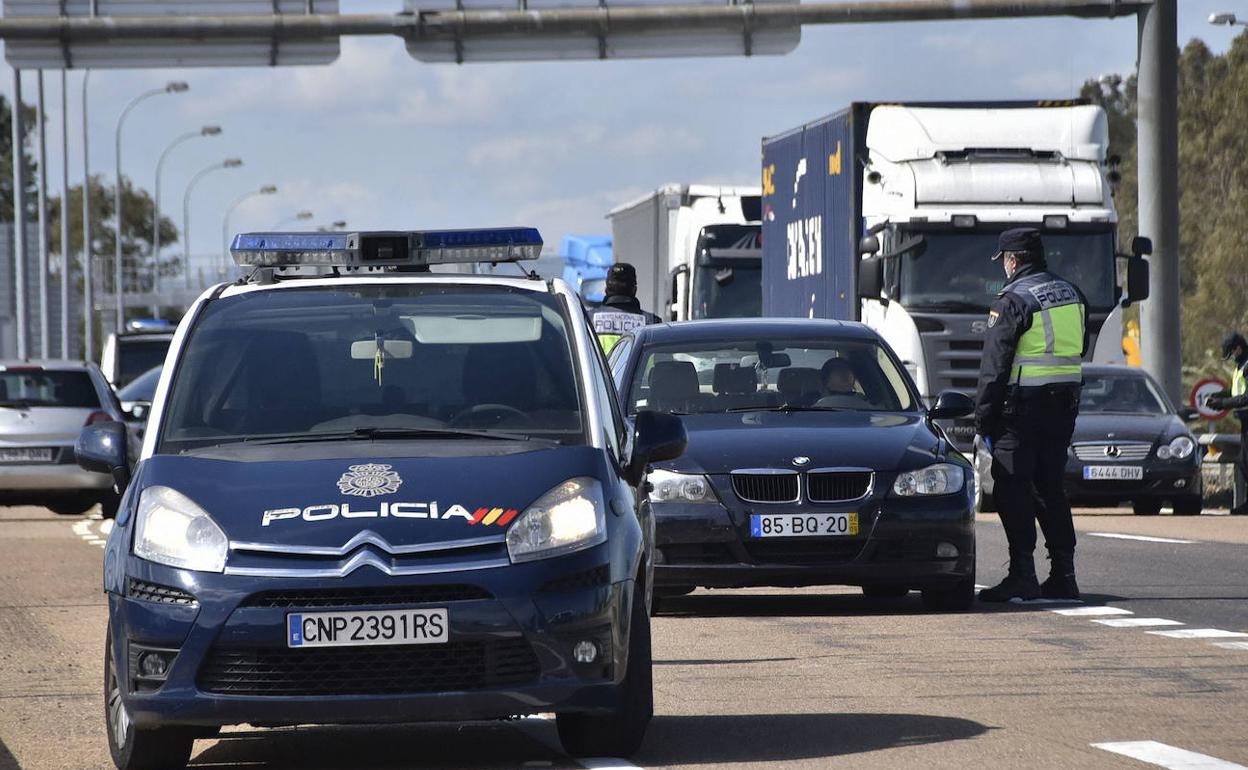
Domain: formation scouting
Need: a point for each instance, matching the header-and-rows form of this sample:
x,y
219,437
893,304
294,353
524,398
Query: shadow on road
x,y
680,740
729,604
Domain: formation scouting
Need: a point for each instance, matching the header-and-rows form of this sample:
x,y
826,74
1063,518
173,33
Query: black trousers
x,y
1028,461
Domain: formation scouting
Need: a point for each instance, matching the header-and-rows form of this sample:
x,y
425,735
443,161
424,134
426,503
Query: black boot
x,y
1061,583
1020,583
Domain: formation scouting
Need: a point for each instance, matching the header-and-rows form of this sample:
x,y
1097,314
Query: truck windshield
x,y
954,273
321,361
729,278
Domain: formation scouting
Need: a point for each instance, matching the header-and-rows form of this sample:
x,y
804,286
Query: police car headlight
x,y
939,479
668,487
565,519
171,529
1181,448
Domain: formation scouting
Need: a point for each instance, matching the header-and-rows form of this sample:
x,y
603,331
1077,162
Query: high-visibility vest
x,y
1238,385
610,326
1050,351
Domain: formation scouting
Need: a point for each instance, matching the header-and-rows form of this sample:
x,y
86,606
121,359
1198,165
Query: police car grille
x,y
366,597
153,592
369,670
1129,451
593,577
838,485
765,487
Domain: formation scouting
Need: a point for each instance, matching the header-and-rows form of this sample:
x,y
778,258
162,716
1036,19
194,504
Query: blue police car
x,y
370,492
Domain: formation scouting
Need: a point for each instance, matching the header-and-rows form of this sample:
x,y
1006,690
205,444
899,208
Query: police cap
x,y
1024,242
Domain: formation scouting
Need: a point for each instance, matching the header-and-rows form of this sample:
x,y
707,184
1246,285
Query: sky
x,y
385,142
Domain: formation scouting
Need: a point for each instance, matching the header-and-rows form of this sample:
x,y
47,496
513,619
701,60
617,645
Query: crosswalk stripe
x,y
1170,757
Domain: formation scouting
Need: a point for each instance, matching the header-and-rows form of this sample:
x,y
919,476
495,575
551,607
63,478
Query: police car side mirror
x,y
657,436
950,404
101,448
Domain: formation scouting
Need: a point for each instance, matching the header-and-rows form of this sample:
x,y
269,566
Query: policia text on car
x,y
1028,398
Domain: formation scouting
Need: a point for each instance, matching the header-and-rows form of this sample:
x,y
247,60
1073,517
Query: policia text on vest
x,y
611,325
1028,398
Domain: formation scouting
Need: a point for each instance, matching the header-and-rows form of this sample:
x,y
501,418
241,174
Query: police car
x,y
373,493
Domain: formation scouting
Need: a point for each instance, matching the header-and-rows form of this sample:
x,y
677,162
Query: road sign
x,y
206,50
1207,387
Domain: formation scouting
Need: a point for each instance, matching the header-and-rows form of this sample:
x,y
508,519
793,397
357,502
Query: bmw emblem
x,y
801,460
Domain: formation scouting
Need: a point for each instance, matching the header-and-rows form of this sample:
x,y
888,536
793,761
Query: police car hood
x,y
326,502
721,443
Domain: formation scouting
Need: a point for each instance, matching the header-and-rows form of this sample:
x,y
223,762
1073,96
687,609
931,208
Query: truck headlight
x,y
565,519
939,479
171,529
669,487
1178,449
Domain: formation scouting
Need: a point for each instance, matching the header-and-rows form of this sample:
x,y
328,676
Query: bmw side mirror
x,y
657,436
101,448
950,404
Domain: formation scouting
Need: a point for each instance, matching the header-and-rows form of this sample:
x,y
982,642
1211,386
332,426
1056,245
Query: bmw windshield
x,y
363,361
952,272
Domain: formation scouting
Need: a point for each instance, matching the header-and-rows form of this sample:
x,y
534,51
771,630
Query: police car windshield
x,y
784,375
363,360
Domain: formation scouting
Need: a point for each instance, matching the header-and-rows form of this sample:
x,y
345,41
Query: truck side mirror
x,y
1137,280
869,245
871,277
1141,246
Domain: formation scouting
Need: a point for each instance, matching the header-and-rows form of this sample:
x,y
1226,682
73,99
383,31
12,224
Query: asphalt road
x,y
767,678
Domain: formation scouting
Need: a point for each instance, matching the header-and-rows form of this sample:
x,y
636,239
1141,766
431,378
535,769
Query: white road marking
x,y
1143,538
1084,612
82,528
1136,622
1199,633
1160,754
106,526
95,541
606,763
1232,645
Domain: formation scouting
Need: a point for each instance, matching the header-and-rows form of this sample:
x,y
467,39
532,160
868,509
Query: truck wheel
x,y
1146,507
619,732
1189,506
133,748
71,506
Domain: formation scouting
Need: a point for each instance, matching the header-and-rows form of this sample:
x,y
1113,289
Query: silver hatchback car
x,y
44,405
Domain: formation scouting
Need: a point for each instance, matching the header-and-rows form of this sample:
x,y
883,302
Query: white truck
x,y
696,249
887,214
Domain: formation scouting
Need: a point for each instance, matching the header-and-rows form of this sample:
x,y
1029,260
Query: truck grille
x,y
365,597
837,486
1117,452
369,670
765,487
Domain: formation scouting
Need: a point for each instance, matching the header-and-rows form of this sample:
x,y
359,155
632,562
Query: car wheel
x,y
619,732
109,505
71,506
134,748
884,592
1189,506
1146,507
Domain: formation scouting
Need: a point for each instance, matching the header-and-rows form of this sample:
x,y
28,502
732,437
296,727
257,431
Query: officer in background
x,y
620,312
1028,398
1235,348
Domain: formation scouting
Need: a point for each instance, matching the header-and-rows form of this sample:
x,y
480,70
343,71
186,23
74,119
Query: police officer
x,y
1235,348
1028,398
620,312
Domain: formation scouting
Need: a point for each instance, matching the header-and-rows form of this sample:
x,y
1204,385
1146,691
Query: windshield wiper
x,y
788,408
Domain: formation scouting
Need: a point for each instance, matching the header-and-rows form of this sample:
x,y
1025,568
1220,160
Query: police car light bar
x,y
386,249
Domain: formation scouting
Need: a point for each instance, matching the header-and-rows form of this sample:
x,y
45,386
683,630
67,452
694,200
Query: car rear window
x,y
47,387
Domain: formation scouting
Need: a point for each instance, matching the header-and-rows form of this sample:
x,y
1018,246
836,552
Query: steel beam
x,y
463,24
1158,143
21,307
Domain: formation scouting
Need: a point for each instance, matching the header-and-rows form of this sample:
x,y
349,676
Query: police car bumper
x,y
223,643
913,542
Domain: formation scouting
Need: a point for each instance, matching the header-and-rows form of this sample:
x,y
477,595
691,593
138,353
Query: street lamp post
x,y
301,216
186,210
267,189
119,289
205,131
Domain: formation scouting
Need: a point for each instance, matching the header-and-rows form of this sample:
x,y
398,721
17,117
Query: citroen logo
x,y
1112,451
801,460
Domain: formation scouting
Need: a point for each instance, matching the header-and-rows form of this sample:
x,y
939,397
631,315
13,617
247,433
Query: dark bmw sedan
x,y
811,461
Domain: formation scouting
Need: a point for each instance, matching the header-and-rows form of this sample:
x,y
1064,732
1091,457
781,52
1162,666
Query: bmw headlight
x,y
565,519
939,479
1178,449
171,529
669,487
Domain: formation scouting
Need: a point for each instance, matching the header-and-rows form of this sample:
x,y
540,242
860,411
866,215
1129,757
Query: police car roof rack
x,y
380,251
